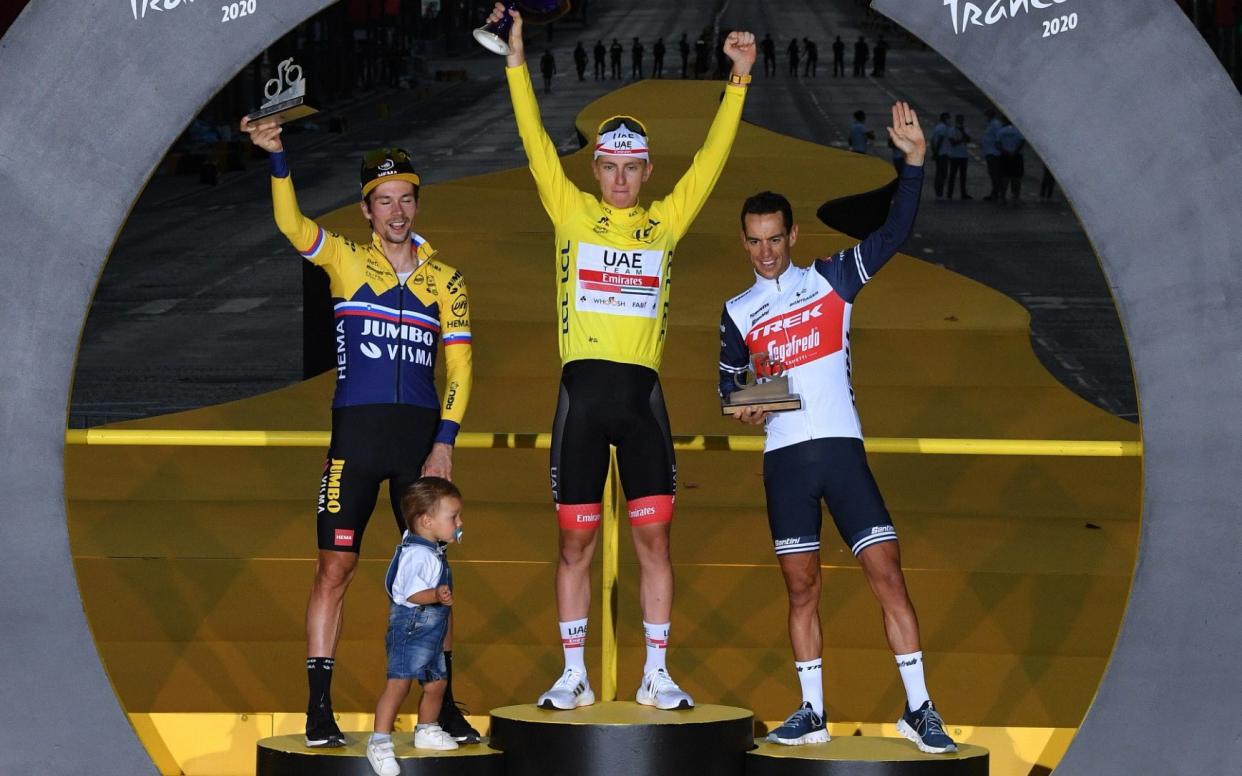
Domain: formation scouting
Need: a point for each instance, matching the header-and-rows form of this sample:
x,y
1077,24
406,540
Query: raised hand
x,y
907,134
517,49
740,48
265,134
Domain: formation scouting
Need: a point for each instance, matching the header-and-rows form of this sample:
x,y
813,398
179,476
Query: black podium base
x,y
622,739
289,756
863,756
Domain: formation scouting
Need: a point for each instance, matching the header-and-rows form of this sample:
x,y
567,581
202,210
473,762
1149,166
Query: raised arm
x,y
851,269
692,191
558,194
307,237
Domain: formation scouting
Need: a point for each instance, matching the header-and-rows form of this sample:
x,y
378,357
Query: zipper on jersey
x,y
400,323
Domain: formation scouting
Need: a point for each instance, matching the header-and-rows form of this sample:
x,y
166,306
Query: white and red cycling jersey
x,y
801,319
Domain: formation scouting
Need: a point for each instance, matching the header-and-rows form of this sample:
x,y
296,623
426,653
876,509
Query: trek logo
x,y
966,14
343,537
788,322
140,7
907,663
802,335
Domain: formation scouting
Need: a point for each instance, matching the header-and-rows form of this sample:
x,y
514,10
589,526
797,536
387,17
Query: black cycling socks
x,y
319,679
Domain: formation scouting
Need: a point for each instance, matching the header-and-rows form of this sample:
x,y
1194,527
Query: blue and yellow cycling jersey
x,y
386,331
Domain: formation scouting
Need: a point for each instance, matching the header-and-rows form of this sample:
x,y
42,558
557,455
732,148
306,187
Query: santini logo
x,y
140,7
966,14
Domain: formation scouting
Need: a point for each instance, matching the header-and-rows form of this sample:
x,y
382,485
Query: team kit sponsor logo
x,y
619,282
966,14
802,335
401,342
330,486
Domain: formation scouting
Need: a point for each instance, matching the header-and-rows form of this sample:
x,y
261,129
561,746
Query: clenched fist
x,y
740,48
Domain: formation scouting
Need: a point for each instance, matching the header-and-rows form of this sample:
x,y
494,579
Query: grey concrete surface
x,y
1169,243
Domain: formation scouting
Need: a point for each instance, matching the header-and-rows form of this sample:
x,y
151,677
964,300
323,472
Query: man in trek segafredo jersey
x,y
612,260
800,317
394,305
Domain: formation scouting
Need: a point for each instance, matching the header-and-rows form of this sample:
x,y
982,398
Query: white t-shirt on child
x,y
418,569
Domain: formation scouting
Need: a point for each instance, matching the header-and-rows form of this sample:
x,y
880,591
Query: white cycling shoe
x,y
658,689
570,691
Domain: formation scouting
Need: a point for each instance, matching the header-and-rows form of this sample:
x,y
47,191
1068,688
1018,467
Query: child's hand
x,y
444,595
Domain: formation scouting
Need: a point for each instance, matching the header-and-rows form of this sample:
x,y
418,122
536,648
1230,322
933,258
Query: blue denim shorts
x,y
415,642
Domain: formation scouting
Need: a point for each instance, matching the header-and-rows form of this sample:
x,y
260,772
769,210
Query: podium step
x,y
863,756
622,739
289,756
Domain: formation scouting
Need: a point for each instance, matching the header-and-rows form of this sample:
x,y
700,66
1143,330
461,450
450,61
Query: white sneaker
x,y
382,760
570,691
432,736
658,689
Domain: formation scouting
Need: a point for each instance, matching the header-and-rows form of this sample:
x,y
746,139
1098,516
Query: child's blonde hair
x,y
422,496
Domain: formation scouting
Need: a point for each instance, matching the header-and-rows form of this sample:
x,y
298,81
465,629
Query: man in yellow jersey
x,y
613,260
394,302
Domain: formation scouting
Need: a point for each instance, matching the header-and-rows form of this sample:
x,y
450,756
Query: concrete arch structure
x,y
1140,125
93,93
1128,106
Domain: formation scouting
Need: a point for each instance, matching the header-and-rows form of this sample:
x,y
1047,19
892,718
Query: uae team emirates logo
x,y
800,336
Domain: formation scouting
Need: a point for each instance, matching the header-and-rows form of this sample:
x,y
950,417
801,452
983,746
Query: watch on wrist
x,y
739,80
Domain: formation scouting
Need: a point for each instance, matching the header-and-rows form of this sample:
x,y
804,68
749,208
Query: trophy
x,y
495,37
286,96
762,386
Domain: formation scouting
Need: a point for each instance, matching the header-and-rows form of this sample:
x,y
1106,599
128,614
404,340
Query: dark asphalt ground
x,y
200,301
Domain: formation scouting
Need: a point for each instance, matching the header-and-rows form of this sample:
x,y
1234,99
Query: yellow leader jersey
x,y
613,266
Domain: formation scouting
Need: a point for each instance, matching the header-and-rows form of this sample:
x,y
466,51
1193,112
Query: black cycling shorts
x,y
370,443
603,403
835,470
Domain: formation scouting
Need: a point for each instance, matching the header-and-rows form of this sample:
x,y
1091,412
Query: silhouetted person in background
x,y
701,55
812,58
768,47
940,152
599,51
881,57
636,59
792,53
722,61
862,52
657,51
580,60
614,58
683,48
547,66
991,152
959,156
838,57
1013,165
860,136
